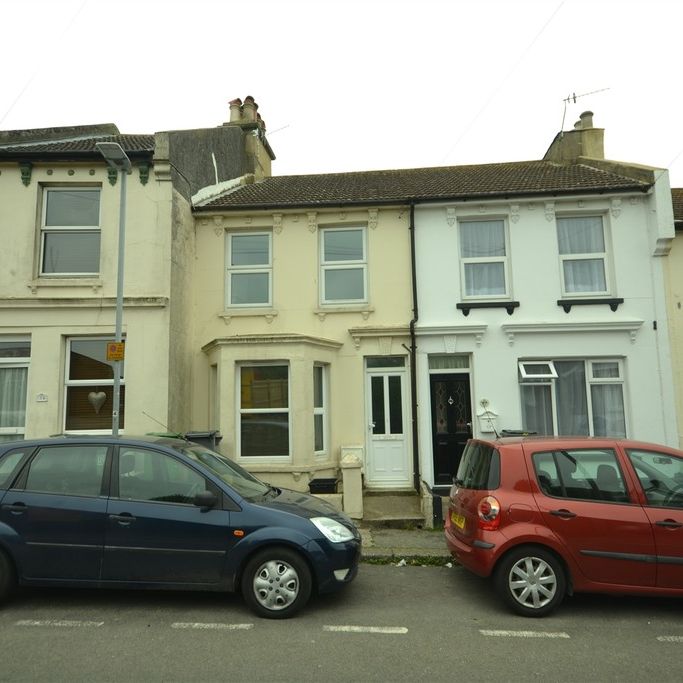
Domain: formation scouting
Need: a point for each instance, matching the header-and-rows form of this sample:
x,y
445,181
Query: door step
x,y
392,509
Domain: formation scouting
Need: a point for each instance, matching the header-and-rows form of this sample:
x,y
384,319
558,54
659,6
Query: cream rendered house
x,y
59,222
303,310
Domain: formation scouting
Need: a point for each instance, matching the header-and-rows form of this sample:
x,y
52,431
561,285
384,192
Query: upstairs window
x,y
483,254
583,255
344,265
70,231
249,273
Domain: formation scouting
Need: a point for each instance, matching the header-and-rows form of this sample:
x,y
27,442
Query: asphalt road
x,y
392,624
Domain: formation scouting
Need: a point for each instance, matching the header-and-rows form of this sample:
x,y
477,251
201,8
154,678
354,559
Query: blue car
x,y
158,512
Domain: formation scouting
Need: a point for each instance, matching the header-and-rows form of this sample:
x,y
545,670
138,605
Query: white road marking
x,y
394,630
59,622
670,639
212,627
524,634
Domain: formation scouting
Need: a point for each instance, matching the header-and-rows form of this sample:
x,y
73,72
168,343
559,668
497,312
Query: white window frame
x,y
483,260
526,365
322,409
65,229
590,380
262,411
248,269
22,362
588,256
85,383
352,264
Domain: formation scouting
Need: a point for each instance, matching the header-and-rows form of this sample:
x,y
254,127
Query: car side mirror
x,y
205,500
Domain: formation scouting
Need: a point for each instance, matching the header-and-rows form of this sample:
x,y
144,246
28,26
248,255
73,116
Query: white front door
x,y
388,463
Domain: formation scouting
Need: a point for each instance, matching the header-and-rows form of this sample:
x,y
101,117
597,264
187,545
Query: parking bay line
x,y
391,630
68,623
524,634
211,627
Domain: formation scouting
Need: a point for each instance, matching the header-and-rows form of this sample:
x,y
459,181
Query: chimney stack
x,y
583,141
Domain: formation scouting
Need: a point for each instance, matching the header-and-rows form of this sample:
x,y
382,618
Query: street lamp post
x,y
116,158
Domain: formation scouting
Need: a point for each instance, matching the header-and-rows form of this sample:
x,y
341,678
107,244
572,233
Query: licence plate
x,y
458,520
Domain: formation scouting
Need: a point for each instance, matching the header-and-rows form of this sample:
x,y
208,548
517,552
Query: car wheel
x,y
276,583
531,580
8,580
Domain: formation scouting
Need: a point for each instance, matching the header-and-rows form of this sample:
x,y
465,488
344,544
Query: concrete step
x,y
391,510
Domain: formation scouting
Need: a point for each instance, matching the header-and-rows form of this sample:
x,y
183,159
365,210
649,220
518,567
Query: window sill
x,y
364,309
268,313
94,283
509,306
567,304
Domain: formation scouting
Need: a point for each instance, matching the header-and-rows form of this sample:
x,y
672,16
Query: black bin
x,y
323,485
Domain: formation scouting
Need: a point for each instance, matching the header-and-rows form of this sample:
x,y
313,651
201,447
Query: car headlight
x,y
332,530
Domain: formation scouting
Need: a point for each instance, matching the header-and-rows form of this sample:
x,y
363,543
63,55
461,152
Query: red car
x,y
547,517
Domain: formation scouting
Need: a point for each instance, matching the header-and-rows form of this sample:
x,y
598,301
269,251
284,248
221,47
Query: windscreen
x,y
247,485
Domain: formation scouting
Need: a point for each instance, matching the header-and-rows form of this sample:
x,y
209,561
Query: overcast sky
x,y
352,85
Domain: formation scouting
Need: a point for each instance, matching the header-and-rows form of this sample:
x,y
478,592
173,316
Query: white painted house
x,y
541,303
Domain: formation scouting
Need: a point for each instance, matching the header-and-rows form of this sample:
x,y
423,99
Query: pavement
x,y
404,544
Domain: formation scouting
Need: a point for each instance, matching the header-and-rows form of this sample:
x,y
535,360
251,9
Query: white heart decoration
x,y
97,399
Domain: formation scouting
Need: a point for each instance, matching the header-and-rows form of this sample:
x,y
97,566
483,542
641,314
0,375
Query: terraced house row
x,y
354,326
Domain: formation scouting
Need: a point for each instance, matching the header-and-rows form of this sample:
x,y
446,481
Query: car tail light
x,y
489,513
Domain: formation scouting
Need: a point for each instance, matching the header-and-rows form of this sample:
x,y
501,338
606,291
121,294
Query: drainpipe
x,y
413,352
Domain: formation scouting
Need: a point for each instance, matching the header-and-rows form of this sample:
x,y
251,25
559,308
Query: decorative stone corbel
x,y
26,168
511,338
342,215
356,342
112,174
550,211
277,223
615,208
450,216
143,170
312,221
514,213
372,218
365,314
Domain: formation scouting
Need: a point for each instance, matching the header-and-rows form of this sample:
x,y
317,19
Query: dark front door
x,y
451,423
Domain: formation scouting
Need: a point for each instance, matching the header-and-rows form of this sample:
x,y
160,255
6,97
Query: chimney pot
x,y
235,110
249,109
586,119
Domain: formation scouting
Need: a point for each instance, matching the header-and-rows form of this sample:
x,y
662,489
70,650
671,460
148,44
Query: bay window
x,y
263,411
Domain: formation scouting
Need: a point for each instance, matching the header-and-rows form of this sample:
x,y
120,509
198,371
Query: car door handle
x,y
125,519
565,514
16,508
671,523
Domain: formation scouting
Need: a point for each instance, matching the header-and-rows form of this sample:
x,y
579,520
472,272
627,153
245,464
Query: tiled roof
x,y
81,145
677,197
443,183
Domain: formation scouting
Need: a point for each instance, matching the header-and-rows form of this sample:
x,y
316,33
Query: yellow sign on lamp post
x,y
116,351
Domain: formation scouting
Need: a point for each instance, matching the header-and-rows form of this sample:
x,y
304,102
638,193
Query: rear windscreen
x,y
479,467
